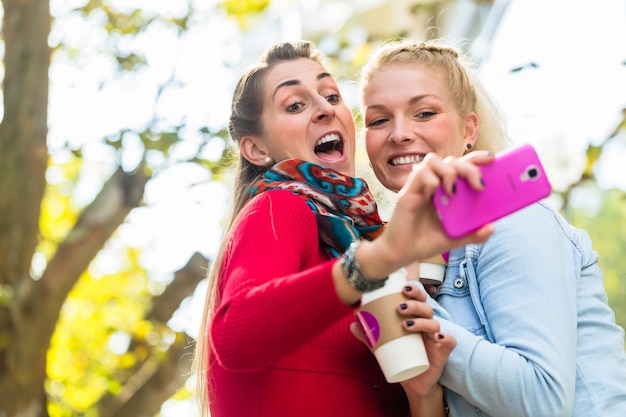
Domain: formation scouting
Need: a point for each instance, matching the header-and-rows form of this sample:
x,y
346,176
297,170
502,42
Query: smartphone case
x,y
514,180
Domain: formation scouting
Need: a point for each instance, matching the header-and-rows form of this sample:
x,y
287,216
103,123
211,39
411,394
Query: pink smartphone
x,y
514,180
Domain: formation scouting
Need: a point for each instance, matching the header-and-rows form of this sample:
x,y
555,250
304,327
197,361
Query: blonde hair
x,y
466,90
245,119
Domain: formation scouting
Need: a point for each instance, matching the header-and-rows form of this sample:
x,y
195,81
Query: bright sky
x,y
572,97
575,94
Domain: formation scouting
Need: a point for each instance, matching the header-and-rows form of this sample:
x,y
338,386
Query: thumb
x,y
446,343
357,332
439,346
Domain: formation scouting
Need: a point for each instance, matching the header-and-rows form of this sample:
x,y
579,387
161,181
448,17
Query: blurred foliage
x,y
603,215
103,335
81,365
58,214
119,24
100,312
244,10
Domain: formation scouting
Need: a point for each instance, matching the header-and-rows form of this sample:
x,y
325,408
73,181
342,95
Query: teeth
x,y
409,159
332,137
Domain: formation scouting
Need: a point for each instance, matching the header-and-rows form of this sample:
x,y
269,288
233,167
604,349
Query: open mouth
x,y
329,147
406,160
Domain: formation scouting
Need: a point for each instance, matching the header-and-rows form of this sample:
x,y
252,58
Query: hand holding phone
x,y
514,180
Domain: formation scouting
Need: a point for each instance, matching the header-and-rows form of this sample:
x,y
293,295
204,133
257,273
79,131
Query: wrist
x,y
430,404
352,269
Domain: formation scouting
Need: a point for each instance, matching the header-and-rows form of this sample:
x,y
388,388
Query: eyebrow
x,y
412,101
289,83
419,98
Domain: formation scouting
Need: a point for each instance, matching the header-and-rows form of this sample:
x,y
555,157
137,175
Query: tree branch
x,y
40,308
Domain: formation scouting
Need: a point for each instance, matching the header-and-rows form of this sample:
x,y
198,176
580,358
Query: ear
x,y
252,149
471,128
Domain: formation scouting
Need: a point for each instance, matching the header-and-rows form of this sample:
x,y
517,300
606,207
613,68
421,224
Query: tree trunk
x,y
23,161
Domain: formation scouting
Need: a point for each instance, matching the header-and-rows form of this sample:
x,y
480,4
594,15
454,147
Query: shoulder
x,y
536,218
537,229
279,212
537,226
540,220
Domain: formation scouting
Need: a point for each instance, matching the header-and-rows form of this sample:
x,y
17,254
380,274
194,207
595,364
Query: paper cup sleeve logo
x,y
370,327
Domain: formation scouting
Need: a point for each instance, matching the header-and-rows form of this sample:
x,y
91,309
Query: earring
x,y
268,160
469,146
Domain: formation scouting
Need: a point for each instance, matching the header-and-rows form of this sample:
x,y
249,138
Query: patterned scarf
x,y
343,206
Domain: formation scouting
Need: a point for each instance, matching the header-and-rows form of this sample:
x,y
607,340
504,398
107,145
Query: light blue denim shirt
x,y
535,334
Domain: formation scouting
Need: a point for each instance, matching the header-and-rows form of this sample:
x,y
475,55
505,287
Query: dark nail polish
x,y
408,288
409,323
403,306
453,189
440,336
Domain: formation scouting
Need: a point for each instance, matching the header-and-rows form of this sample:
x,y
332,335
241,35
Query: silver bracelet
x,y
352,269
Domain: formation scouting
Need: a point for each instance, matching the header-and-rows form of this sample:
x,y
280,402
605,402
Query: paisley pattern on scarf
x,y
344,207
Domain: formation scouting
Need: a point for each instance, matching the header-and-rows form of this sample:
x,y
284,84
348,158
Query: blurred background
x,y
115,167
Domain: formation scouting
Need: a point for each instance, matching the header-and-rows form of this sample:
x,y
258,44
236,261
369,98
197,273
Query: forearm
x,y
501,382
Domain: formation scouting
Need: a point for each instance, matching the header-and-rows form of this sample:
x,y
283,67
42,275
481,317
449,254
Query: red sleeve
x,y
277,292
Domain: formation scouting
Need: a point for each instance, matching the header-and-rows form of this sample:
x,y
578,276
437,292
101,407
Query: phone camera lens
x,y
532,173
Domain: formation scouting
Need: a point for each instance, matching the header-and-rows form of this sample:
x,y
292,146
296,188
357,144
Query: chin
x,y
341,165
395,184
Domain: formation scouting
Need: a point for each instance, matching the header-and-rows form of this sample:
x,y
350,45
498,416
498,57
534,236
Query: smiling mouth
x,y
329,147
406,159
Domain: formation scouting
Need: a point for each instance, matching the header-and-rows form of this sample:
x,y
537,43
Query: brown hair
x,y
245,119
466,90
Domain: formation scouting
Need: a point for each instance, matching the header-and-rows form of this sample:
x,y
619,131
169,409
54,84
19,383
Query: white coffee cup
x,y
400,354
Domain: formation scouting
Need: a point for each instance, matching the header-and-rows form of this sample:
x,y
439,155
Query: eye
x,y
333,98
425,114
376,122
295,107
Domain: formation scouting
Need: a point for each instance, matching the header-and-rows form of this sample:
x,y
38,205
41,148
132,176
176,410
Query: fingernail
x,y
440,336
409,323
453,189
403,306
408,288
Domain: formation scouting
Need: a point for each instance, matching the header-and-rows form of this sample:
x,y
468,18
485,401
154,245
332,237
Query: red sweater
x,y
280,342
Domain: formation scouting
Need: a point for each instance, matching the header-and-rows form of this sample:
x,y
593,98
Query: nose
x,y
400,133
324,111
